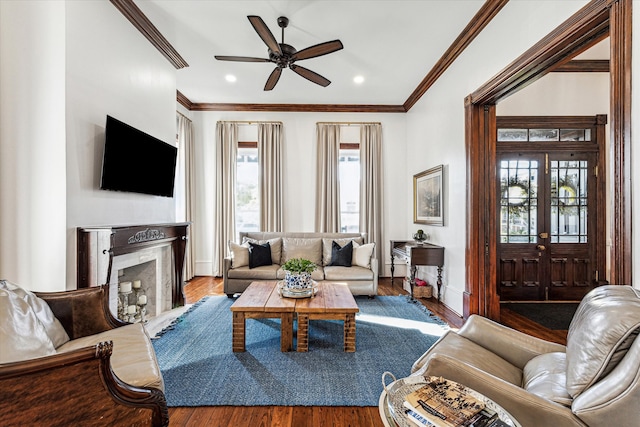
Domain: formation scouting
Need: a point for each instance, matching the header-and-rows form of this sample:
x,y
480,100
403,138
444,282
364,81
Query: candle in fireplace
x,y
125,287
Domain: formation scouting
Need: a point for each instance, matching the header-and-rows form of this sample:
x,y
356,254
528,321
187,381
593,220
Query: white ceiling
x,y
392,44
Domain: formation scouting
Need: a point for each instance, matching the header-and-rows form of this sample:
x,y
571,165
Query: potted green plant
x,y
297,279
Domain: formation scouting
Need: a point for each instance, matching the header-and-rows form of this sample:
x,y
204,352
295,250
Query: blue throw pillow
x,y
259,255
341,256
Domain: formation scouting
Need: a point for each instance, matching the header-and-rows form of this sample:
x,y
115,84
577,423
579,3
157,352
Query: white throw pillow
x,y
41,309
21,333
239,254
362,254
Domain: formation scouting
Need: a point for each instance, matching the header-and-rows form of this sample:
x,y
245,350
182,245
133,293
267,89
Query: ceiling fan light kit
x,y
285,55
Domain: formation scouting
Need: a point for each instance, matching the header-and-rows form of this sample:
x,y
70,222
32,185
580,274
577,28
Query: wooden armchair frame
x,y
77,387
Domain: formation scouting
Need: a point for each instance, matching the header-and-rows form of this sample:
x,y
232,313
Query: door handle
x,y
541,247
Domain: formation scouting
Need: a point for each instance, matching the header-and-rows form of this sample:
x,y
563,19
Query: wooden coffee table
x,y
333,301
259,301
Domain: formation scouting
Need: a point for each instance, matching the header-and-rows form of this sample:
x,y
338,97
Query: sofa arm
x,y
374,268
528,409
75,388
82,312
513,346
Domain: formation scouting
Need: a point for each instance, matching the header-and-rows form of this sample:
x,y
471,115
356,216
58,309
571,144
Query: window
x,y
349,170
247,191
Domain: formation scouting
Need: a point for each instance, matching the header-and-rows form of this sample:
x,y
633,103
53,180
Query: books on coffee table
x,y
445,403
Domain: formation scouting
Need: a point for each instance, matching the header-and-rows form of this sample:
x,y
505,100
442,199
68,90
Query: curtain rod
x,y
183,115
248,122
348,123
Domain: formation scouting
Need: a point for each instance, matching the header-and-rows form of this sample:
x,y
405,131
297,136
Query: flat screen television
x,y
137,162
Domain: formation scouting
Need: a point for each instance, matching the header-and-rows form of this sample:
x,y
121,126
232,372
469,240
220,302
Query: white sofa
x,y
361,276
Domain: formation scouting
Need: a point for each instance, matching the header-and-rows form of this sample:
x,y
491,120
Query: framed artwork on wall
x,y
428,200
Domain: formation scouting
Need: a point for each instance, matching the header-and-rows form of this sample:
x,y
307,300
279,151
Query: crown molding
x,y
481,19
139,20
298,108
584,66
183,100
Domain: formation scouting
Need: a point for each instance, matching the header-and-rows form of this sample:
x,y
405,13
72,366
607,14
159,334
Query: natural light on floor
x,y
426,328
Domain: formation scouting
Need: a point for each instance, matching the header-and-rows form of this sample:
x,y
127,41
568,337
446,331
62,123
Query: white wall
x,y
111,69
299,172
32,144
435,125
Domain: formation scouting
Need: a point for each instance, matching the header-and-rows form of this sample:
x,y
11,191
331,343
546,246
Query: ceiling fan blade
x,y
318,50
273,78
240,58
265,34
310,75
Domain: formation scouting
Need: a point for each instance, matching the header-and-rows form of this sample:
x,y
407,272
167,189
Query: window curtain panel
x,y
270,137
224,209
186,147
327,185
371,187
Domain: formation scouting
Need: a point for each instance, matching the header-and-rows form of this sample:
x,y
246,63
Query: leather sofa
x,y
592,381
65,360
361,276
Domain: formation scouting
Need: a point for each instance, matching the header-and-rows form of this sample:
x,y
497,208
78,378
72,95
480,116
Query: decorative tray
x,y
297,293
397,391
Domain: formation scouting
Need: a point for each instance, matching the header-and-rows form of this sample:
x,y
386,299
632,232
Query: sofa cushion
x,y
239,254
603,328
347,273
276,247
341,255
362,254
22,335
546,376
296,247
133,359
43,312
327,246
266,272
259,255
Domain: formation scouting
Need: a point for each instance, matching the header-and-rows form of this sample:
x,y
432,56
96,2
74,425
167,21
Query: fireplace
x,y
152,254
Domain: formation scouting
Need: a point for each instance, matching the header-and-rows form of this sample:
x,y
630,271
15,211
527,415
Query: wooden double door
x,y
551,211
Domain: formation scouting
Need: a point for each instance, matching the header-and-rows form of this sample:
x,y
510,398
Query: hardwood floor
x,y
317,416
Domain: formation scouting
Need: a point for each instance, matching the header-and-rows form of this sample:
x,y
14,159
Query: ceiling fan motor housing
x,y
285,59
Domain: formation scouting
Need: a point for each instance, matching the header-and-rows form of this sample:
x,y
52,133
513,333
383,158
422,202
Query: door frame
x,y
593,23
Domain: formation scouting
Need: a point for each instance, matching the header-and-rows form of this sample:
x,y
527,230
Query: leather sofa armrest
x,y
82,312
75,388
527,408
614,399
515,347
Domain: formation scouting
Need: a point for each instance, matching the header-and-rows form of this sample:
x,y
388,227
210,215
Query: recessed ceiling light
x,y
230,78
358,79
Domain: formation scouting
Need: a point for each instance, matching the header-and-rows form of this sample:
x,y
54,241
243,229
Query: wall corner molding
x,y
139,20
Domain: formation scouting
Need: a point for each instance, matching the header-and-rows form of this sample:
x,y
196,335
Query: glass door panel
x,y
518,201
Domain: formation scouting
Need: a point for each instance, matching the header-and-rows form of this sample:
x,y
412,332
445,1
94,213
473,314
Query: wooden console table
x,y
413,254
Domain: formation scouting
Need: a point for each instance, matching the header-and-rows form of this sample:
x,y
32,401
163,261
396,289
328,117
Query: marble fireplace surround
x,y
152,253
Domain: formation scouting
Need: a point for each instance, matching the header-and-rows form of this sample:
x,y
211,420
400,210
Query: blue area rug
x,y
200,369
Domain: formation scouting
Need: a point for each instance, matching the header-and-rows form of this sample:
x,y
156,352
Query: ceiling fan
x,y
284,55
